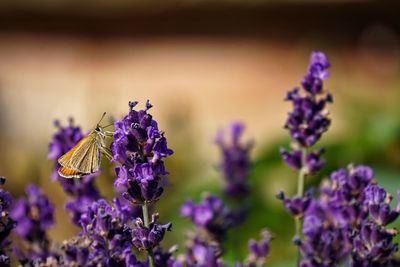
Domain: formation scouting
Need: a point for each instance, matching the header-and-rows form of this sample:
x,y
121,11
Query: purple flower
x,y
308,119
313,161
146,238
203,254
166,258
106,234
211,215
34,215
7,224
296,206
258,251
140,148
235,163
378,202
373,246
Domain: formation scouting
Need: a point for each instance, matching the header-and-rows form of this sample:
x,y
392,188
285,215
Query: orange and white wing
x,y
83,158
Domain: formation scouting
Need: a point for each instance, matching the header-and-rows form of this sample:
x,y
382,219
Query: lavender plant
x,y
139,147
235,162
345,222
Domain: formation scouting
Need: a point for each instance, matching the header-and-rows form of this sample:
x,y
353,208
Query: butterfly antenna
x,y
111,124
102,117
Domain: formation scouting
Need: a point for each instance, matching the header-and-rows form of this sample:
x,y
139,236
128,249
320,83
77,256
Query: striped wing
x,y
83,158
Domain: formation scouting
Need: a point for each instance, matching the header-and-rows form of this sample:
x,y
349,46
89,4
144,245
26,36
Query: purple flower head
x,y
326,243
7,224
378,202
373,246
203,254
140,148
235,163
308,119
313,161
34,215
211,215
165,258
258,251
106,231
146,238
296,206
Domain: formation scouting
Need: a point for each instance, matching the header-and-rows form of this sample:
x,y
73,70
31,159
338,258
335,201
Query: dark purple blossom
x,y
373,246
34,215
165,258
6,224
106,235
258,251
378,202
140,148
313,161
147,238
296,206
308,119
235,163
210,215
202,253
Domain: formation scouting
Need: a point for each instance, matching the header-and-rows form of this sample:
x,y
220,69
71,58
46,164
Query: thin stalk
x,y
146,224
300,193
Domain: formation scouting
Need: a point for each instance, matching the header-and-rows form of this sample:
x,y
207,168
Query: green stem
x,y
300,193
146,224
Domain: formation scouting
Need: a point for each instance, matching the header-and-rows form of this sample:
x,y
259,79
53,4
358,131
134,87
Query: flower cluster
x,y
258,251
7,224
108,235
83,191
346,223
34,215
139,147
235,162
308,119
210,215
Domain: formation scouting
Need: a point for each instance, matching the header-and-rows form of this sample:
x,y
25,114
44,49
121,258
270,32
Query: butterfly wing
x,y
83,158
68,173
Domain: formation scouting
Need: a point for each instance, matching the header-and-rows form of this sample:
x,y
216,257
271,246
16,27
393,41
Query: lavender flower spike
x,y
140,148
34,215
235,163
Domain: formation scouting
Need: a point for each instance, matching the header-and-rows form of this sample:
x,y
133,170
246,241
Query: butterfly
x,y
85,157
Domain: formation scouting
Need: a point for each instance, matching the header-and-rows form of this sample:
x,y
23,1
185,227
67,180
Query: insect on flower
x,y
85,157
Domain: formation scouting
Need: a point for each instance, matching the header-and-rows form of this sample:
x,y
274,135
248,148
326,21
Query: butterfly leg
x,y
106,151
108,133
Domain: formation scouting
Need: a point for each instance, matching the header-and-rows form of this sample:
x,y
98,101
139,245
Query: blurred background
x,y
203,64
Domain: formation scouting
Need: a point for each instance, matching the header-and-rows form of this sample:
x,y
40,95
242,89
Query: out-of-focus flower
x,y
258,251
7,224
210,215
235,162
202,253
34,215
